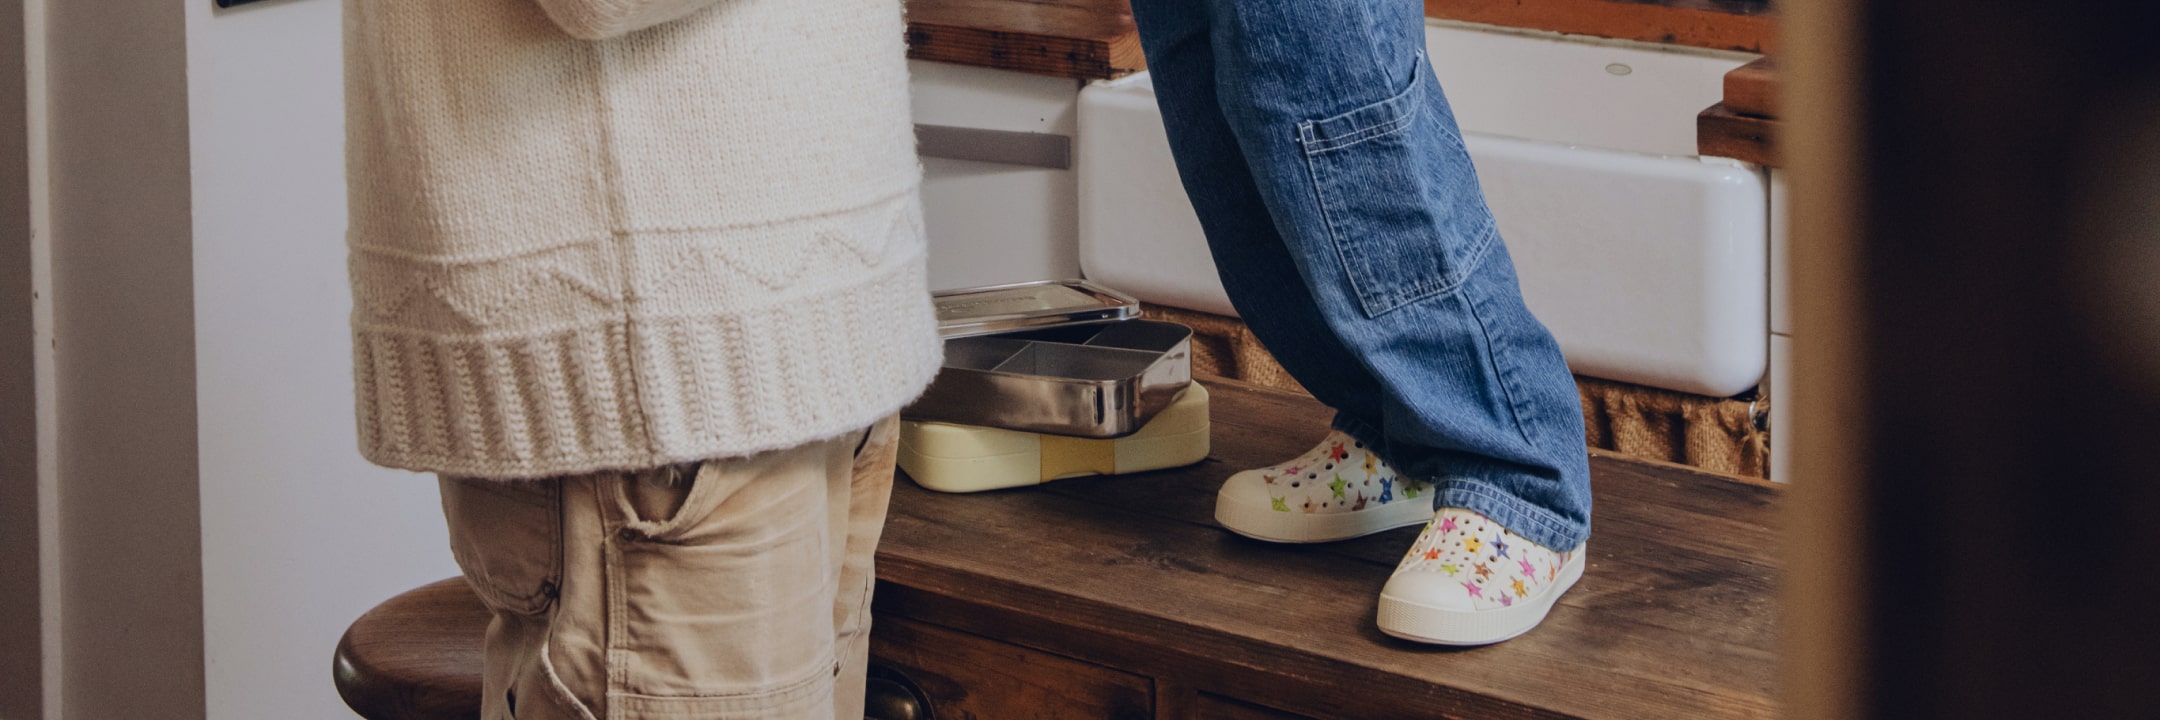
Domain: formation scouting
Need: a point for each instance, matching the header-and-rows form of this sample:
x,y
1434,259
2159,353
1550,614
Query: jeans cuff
x,y
1533,523
1521,517
1364,433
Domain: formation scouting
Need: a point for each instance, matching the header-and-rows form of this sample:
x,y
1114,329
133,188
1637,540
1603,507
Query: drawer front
x,y
966,676
1217,707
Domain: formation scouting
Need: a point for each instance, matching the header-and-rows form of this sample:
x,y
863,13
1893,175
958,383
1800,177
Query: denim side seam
x,y
1522,518
1509,385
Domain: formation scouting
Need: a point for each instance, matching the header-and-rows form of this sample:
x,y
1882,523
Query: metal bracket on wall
x,y
1047,150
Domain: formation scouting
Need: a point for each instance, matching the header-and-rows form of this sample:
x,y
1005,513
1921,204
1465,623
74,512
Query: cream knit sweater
x,y
614,234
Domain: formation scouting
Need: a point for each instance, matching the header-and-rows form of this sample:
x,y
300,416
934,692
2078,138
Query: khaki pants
x,y
738,589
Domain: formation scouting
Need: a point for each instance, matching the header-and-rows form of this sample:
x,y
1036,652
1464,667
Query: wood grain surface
x,y
416,656
1746,25
967,676
1081,39
1752,89
1720,132
1217,707
1103,586
1096,39
1673,619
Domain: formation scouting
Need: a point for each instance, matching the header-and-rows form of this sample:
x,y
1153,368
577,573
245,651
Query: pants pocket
x,y
506,537
1399,195
724,580
811,697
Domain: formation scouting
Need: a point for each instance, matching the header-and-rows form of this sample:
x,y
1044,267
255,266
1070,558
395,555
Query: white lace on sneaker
x,y
1335,491
1469,581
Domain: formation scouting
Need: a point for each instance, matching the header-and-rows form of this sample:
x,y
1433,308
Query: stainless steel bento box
x,y
1062,358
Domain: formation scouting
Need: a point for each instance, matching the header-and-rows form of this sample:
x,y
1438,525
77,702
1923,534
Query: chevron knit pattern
x,y
597,235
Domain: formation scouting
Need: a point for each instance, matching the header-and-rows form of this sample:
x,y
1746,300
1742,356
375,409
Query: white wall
x,y
299,535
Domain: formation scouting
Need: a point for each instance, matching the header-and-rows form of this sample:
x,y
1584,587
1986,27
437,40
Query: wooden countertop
x,y
1745,25
1095,39
1674,619
1082,39
1744,126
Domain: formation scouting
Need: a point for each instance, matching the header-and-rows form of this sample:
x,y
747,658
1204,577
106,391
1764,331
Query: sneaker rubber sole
x,y
1267,524
1418,622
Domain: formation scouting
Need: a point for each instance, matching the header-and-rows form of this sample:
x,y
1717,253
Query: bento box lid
x,y
1028,306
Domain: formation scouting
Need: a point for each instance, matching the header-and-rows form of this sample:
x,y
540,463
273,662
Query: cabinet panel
x,y
990,223
970,677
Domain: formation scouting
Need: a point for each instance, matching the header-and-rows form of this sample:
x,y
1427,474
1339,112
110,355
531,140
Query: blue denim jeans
x,y
1348,227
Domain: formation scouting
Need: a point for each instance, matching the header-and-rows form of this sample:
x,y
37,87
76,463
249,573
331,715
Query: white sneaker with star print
x,y
1338,490
1468,581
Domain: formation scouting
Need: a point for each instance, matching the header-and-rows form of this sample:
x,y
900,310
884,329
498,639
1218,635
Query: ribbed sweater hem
x,y
642,392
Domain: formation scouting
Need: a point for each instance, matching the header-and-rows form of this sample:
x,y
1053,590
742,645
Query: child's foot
x,y
1339,490
1468,581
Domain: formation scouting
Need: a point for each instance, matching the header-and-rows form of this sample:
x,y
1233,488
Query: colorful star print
x,y
1337,476
1497,567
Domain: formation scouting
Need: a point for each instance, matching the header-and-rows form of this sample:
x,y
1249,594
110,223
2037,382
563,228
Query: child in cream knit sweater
x,y
643,281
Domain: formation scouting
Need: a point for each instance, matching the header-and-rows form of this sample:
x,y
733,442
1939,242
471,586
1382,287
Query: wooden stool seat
x,y
416,656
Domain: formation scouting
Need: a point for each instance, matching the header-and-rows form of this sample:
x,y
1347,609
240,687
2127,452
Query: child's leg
x,y
1350,231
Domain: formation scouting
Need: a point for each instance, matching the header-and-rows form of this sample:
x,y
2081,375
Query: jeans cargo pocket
x,y
506,537
1401,201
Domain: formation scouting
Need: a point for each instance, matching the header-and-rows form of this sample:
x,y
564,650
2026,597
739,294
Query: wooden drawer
x,y
968,676
1217,707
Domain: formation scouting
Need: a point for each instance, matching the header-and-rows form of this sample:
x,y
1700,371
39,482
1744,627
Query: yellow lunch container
x,y
966,458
